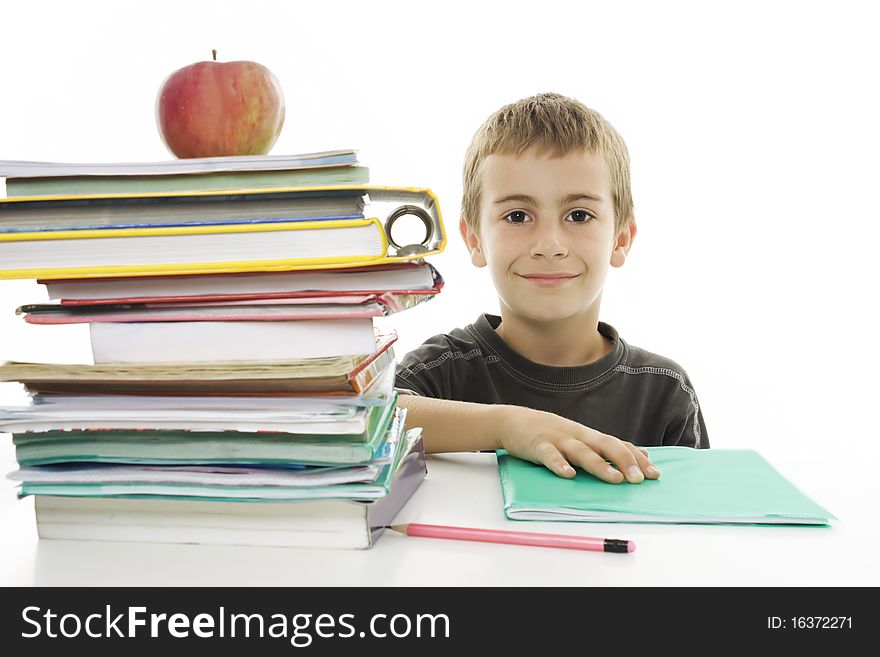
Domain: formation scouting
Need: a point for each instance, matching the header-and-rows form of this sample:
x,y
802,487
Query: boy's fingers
x,y
641,455
581,455
553,460
619,454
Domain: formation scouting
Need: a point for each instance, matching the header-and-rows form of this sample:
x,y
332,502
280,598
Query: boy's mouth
x,y
549,279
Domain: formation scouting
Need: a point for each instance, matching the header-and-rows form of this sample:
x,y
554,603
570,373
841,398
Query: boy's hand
x,y
559,444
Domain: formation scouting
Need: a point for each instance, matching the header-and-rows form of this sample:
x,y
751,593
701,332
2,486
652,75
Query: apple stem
x,y
214,55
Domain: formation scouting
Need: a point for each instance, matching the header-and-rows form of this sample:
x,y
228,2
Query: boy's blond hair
x,y
555,124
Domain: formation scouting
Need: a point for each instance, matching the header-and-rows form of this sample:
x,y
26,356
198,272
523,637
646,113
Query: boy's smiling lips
x,y
549,279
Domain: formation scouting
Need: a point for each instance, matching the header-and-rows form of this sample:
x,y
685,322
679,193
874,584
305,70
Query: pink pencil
x,y
516,538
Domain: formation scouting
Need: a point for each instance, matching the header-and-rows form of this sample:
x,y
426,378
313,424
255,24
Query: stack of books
x,y
239,393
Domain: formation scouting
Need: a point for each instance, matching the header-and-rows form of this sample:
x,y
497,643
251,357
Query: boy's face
x,y
546,232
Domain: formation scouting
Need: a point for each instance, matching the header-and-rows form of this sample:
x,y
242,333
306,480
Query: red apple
x,y
210,109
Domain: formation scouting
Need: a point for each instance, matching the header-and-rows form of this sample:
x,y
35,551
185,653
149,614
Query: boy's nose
x,y
549,243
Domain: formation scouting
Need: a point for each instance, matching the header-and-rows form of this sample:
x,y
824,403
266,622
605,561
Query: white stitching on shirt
x,y
459,355
545,386
675,375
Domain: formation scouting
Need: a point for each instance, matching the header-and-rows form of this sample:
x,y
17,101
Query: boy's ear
x,y
623,242
472,241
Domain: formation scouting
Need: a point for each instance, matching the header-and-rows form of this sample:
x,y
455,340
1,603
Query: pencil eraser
x,y
630,546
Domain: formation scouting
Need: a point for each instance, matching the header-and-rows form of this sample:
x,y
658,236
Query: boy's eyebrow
x,y
531,200
571,198
522,198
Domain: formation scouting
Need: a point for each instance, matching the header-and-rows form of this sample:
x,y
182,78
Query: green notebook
x,y
221,180
697,486
191,447
399,444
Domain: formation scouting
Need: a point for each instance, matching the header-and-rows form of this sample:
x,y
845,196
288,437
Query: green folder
x,y
697,486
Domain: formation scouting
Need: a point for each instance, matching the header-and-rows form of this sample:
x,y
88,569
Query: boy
x,y
547,207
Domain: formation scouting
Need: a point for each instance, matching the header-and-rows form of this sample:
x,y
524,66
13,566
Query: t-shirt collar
x,y
530,371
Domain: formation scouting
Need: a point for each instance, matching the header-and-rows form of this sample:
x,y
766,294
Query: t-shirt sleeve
x,y
687,429
420,373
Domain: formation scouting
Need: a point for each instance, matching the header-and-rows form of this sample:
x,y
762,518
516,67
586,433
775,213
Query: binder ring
x,y
402,211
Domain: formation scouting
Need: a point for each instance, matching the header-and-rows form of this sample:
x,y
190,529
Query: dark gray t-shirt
x,y
629,393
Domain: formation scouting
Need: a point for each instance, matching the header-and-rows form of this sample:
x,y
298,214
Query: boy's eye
x,y
580,216
517,217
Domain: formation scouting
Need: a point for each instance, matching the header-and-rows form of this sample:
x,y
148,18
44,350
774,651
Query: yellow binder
x,y
389,204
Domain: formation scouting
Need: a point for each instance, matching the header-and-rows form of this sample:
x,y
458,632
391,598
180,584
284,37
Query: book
x,y
229,312
338,307
132,184
402,278
376,393
184,209
194,447
205,248
328,420
25,178
222,247
331,376
187,166
193,342
221,475
333,306
290,296
146,446
327,523
736,486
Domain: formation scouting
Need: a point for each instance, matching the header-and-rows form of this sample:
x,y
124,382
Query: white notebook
x,y
170,342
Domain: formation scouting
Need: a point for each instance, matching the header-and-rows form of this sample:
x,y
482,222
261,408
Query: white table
x,y
462,489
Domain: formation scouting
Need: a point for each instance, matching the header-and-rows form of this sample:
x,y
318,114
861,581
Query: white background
x,y
752,130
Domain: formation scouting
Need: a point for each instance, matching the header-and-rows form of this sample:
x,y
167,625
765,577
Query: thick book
x,y
48,314
333,305
374,292
703,486
339,307
193,342
376,393
403,278
328,420
24,178
225,246
332,376
21,215
131,184
204,248
325,523
146,446
224,475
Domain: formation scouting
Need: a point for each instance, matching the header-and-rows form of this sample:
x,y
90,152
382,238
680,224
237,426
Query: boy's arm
x,y
690,431
537,436
685,426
